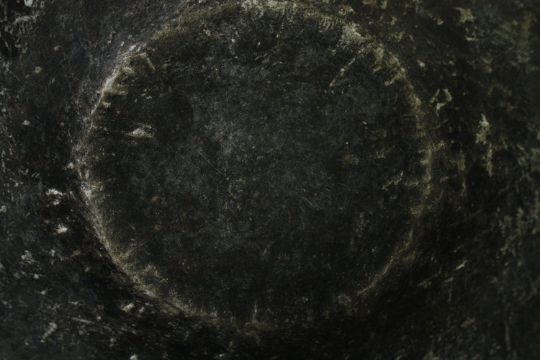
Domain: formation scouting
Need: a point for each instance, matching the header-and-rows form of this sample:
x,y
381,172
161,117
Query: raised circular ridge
x,y
204,170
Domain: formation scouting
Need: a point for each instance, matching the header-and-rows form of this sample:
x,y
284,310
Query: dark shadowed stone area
x,y
269,179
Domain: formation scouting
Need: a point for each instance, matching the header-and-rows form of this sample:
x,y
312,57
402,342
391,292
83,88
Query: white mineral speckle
x,y
465,15
49,331
54,192
483,131
144,132
128,307
489,160
61,229
448,95
27,257
441,99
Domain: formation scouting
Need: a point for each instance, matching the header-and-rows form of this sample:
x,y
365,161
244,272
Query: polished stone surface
x,y
269,179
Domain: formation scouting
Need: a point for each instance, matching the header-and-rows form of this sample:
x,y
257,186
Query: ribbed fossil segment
x,y
257,163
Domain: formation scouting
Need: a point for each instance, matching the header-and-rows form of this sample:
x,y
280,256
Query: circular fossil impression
x,y
257,163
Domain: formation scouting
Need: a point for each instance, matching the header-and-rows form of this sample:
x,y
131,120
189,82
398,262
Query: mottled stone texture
x,y
269,179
